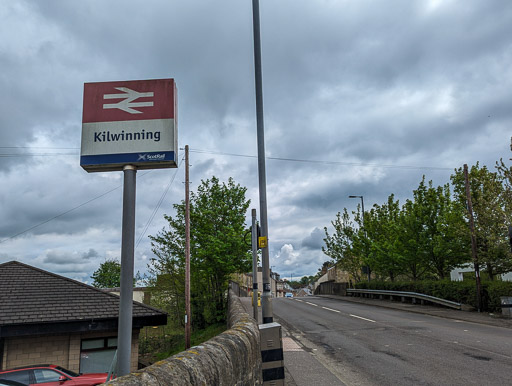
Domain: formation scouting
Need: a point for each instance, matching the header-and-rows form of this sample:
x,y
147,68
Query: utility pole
x,y
187,252
368,271
266,300
473,240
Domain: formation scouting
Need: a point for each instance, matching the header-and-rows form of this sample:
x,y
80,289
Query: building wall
x,y
456,274
62,350
139,294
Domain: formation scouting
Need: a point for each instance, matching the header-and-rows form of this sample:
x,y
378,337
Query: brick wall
x,y
62,350
24,351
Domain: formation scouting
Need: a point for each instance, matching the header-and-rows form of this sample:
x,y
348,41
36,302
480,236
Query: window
x,y
18,376
45,375
96,355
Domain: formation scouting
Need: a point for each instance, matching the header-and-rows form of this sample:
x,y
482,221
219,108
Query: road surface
x,y
367,345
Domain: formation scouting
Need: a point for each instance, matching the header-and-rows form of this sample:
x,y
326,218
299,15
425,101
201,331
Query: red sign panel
x,y
129,123
129,100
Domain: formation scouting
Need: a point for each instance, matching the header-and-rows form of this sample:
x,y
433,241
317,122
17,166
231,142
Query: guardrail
x,y
402,294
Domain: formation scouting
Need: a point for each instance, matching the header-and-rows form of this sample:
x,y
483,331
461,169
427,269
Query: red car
x,y
51,375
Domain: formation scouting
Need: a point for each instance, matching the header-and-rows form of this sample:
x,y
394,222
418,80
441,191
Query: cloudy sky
x,y
361,98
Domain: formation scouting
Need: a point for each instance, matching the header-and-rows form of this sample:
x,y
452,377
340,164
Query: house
x,y
457,274
47,318
244,281
303,292
334,275
140,294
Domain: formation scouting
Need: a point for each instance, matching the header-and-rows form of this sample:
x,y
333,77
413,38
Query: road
x,y
367,345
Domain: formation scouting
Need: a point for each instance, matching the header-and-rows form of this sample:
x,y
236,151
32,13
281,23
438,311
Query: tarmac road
x,y
359,342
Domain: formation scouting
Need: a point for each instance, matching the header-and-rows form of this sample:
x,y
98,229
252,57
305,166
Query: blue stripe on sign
x,y
126,158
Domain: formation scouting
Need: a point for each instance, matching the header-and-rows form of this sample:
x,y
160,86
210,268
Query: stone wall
x,y
331,288
231,358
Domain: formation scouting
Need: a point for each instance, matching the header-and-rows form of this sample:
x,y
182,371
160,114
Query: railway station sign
x,y
129,123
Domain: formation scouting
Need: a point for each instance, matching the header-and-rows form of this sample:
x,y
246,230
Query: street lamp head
x,y
355,196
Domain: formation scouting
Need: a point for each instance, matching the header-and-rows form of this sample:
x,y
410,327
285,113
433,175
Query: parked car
x,y
288,295
5,382
51,375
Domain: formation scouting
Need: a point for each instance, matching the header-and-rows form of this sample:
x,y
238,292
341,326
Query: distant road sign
x,y
129,123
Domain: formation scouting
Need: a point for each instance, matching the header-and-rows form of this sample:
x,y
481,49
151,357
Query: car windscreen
x,y
67,372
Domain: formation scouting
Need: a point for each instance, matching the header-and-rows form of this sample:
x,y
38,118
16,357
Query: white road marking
x,y
312,304
360,317
330,309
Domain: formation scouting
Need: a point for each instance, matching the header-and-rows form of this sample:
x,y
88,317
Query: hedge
x,y
458,291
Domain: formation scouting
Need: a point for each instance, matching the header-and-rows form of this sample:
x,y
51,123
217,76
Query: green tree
x,y
431,236
217,249
108,275
340,245
492,202
382,230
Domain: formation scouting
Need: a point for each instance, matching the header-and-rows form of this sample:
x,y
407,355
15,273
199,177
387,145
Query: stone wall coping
x,y
231,358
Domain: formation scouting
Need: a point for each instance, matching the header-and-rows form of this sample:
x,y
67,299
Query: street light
x,y
365,236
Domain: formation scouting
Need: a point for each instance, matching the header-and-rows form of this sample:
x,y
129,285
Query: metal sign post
x,y
124,337
129,125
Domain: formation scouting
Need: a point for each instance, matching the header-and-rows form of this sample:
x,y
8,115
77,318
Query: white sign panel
x,y
129,123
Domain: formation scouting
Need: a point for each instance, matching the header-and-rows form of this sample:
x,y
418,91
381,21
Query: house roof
x,y
30,295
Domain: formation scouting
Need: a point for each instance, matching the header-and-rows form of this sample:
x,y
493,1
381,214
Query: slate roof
x,y
30,295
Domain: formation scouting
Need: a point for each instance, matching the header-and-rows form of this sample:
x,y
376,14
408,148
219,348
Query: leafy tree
x,y
108,275
382,229
339,246
432,237
305,280
492,201
217,249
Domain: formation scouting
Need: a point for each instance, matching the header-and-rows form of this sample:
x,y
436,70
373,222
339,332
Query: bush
x,y
458,291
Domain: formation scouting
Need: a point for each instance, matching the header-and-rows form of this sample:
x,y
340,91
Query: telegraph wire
x,y
66,212
59,215
202,151
199,151
39,147
158,206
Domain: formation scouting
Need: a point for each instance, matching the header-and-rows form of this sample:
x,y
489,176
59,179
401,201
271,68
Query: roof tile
x,y
29,294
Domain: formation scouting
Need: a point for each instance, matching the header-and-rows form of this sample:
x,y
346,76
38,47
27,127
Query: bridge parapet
x,y
230,358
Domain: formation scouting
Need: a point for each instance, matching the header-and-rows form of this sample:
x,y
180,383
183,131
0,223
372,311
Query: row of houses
x,y
278,287
336,275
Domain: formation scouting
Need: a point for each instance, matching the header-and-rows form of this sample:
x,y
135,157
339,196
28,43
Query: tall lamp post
x,y
266,300
365,236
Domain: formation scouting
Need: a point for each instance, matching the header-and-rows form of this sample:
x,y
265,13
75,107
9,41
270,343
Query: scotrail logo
x,y
151,157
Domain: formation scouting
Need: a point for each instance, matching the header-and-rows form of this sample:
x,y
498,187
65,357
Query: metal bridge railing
x,y
413,295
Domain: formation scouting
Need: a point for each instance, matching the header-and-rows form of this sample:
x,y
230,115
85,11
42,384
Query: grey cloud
x,y
315,240
400,83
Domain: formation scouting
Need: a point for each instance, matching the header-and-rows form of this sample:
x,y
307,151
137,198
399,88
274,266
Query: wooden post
x,y
473,241
187,253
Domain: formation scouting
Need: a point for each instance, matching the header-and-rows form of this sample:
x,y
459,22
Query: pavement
x,y
302,368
